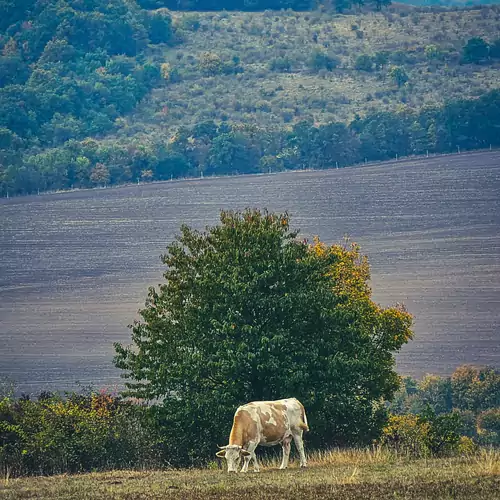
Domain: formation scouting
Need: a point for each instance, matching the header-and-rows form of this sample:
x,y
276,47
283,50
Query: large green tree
x,y
250,312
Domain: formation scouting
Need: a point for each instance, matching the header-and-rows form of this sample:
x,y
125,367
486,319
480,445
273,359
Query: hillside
x,y
283,61
94,93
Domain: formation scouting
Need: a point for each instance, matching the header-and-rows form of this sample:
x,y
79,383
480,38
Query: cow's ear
x,y
245,453
221,453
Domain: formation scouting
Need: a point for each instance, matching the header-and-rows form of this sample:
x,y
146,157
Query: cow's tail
x,y
303,424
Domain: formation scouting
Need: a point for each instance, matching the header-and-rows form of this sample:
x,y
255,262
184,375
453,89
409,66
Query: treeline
x,y
70,69
257,5
465,404
223,149
449,3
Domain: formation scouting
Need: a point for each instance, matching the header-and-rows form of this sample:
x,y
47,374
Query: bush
x,y
488,423
363,63
443,435
281,64
406,434
321,60
80,433
210,64
476,50
466,446
423,435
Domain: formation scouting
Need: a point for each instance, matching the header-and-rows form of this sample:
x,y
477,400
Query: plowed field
x,y
75,266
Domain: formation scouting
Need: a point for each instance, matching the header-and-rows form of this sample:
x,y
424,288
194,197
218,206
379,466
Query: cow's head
x,y
232,453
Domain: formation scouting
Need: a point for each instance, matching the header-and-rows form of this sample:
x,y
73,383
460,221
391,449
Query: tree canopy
x,y
250,312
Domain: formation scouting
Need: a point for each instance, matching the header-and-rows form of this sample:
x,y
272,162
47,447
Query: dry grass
x,y
347,474
273,99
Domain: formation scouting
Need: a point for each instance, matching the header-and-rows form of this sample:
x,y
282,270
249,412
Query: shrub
x,y
476,50
80,433
488,423
319,60
406,434
495,49
363,62
432,52
281,64
425,434
399,75
466,446
443,435
190,22
210,64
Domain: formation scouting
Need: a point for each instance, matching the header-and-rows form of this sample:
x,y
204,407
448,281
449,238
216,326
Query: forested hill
x,y
96,92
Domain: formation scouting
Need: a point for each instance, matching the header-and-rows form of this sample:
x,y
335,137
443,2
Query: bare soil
x,y
75,266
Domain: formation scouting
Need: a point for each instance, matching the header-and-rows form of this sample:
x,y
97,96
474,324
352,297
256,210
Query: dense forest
x,y
97,93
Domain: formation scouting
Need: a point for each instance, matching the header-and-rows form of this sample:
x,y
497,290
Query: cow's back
x,y
275,420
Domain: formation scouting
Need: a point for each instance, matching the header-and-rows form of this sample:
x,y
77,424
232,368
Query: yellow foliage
x,y
165,70
466,446
406,434
350,273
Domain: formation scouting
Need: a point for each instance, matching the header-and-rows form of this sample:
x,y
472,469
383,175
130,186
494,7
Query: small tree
x,y
399,75
100,174
210,64
249,312
432,52
319,59
475,51
380,59
488,423
364,62
281,64
495,49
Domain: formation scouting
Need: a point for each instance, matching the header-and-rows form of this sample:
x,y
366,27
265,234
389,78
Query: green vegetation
x,y
108,93
248,312
100,431
69,70
80,432
468,402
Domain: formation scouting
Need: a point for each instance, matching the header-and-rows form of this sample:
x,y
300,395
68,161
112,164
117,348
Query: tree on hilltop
x,y
250,312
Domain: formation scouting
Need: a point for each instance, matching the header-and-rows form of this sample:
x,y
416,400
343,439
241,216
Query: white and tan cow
x,y
266,423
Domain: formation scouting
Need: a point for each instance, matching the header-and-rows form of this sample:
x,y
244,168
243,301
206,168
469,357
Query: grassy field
x,y
272,98
337,474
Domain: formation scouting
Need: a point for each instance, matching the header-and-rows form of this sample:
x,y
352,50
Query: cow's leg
x,y
246,460
299,443
286,445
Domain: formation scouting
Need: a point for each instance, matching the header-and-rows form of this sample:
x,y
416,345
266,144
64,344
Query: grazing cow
x,y
266,423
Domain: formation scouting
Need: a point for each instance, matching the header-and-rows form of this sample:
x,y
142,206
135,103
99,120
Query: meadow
x,y
276,85
339,474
